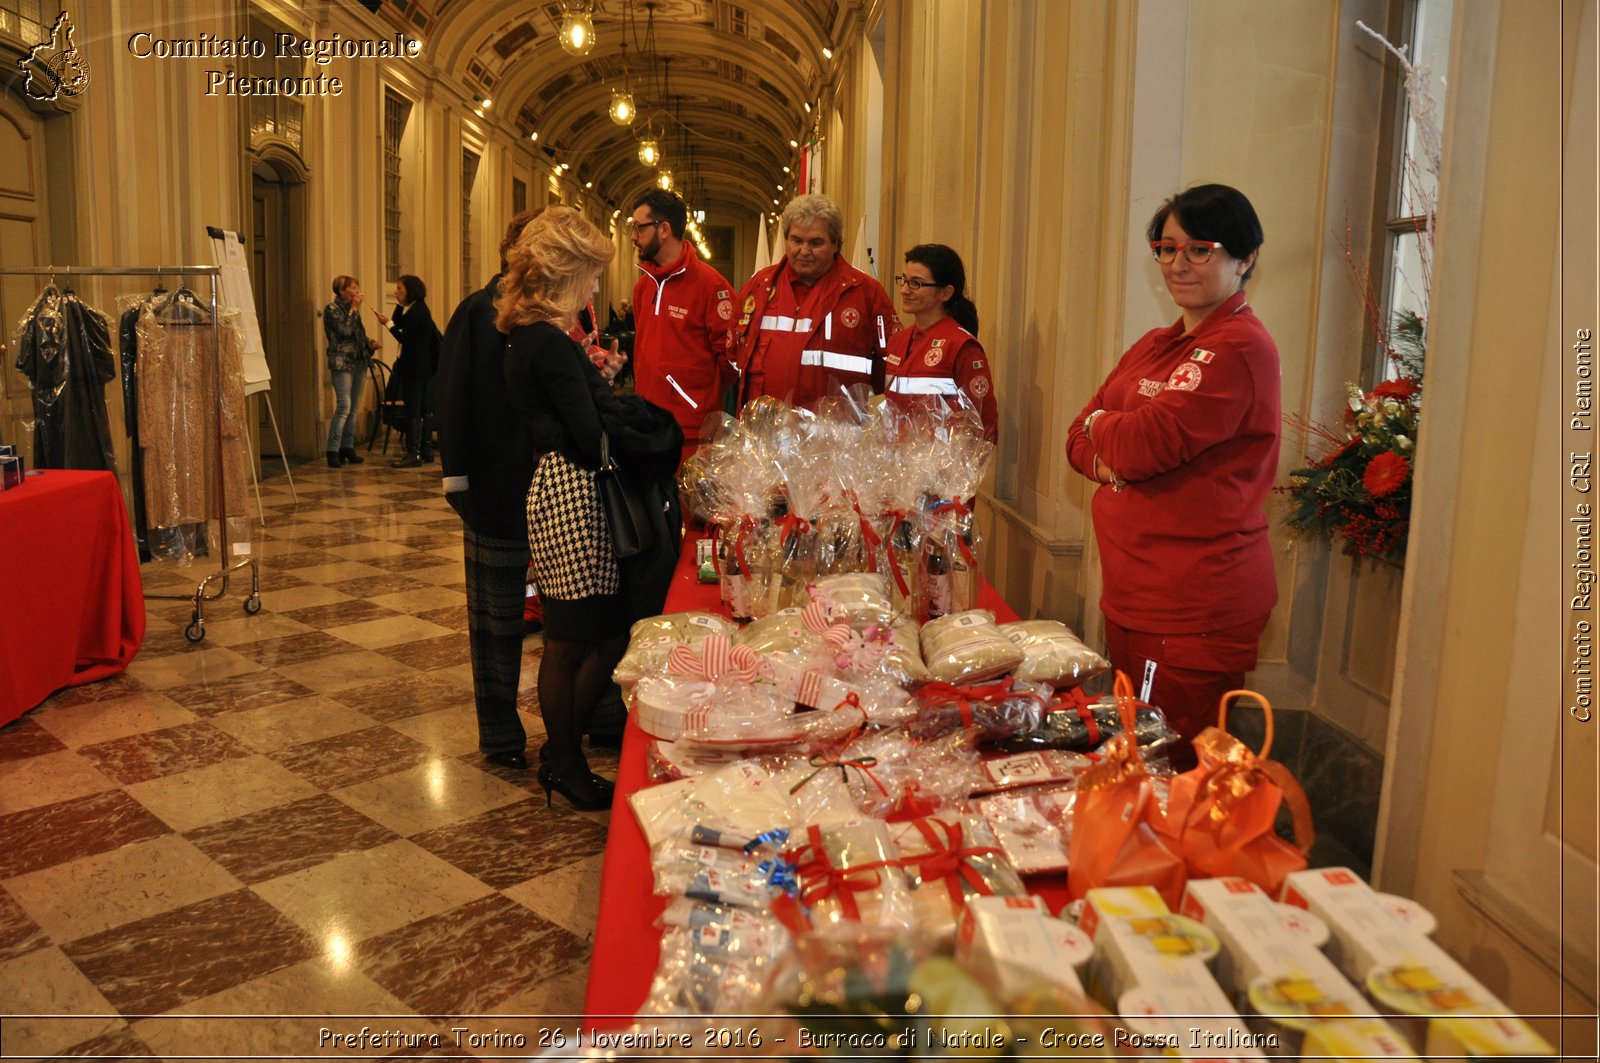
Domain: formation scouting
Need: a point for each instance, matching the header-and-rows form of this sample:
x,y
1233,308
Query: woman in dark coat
x,y
412,324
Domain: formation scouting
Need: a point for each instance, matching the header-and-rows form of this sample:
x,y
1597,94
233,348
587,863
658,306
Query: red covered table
x,y
71,604
627,943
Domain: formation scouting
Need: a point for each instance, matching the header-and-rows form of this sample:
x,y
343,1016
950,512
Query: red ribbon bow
x,y
959,508
820,879
941,693
715,658
950,861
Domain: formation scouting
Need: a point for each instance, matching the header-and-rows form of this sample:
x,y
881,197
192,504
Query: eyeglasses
x,y
635,226
916,284
1197,252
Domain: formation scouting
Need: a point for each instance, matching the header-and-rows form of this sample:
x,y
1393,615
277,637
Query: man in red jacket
x,y
813,320
683,317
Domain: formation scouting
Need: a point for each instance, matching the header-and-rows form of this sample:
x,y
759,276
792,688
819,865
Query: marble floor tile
x,y
357,668
468,960
565,895
252,691
96,893
168,751
280,601
223,630
330,575
515,843
114,1045
378,552
201,664
50,1005
429,597
118,686
453,617
288,838
291,556
294,649
441,651
360,895
377,584
224,791
156,964
397,630
430,795
101,721
47,779
291,723
353,757
28,737
66,830
346,537
355,611
426,692
441,572
19,934
450,732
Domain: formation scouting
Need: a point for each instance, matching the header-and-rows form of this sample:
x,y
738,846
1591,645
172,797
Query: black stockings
x,y
572,679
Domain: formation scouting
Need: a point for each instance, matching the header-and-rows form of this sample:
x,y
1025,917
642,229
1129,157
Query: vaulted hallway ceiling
x,y
727,88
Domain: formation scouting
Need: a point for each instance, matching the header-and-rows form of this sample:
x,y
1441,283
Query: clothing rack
x,y
196,630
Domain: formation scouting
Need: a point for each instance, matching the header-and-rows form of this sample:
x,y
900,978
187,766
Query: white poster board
x,y
234,293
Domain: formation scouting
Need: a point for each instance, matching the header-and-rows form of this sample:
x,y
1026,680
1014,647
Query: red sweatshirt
x,y
941,361
683,315
1192,425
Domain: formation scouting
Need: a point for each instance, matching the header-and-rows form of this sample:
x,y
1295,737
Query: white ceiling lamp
x,y
577,27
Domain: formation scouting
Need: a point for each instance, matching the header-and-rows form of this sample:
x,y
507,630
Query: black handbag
x,y
626,515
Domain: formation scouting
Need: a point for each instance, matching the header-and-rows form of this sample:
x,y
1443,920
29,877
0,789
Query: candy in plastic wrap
x,y
998,710
847,875
1033,826
948,859
1053,654
967,647
1073,722
650,641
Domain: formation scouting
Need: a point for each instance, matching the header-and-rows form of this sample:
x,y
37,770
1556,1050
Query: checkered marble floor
x,y
291,818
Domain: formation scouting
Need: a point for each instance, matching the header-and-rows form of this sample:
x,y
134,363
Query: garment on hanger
x,y
64,350
128,341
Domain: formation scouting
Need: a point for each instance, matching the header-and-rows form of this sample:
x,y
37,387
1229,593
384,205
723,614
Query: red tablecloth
x,y
627,943
71,604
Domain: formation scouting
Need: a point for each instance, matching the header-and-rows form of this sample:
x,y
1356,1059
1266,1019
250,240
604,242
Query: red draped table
x,y
627,942
71,604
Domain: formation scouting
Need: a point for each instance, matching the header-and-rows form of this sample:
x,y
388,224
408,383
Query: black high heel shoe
x,y
584,791
514,758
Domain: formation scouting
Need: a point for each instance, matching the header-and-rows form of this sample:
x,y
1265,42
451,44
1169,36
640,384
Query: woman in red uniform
x,y
1183,437
939,355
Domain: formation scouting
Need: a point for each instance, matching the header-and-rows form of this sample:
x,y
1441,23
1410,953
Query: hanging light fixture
x,y
649,151
577,26
622,109
664,180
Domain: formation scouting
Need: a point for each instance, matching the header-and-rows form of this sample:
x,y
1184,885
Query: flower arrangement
x,y
1358,488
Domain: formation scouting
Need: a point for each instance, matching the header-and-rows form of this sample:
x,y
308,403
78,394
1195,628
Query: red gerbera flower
x,y
1386,474
1333,456
1402,388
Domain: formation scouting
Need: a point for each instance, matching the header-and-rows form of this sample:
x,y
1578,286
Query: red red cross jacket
x,y
941,361
683,318
790,346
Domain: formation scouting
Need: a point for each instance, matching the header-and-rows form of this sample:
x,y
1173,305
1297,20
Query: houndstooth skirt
x,y
567,534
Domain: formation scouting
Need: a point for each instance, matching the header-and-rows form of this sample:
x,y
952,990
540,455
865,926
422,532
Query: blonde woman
x,y
551,272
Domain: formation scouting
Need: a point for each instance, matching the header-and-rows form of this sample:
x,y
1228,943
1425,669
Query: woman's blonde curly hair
x,y
550,268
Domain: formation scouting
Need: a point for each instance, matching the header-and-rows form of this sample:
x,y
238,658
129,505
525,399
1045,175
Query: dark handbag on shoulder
x,y
626,514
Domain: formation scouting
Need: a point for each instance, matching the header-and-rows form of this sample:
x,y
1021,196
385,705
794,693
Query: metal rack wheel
x,y
196,629
252,604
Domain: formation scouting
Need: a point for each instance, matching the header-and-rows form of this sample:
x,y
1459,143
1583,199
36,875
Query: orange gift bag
x,y
1113,843
1220,814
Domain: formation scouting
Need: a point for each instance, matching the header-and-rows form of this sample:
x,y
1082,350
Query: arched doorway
x,y
276,246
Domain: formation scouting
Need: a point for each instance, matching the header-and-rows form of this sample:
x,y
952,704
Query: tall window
x,y
519,195
469,174
28,21
396,112
1413,196
274,115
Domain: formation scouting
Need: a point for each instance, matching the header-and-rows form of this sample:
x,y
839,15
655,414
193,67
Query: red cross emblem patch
x,y
850,316
1185,378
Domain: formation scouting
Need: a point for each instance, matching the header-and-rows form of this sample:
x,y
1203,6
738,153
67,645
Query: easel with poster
x,y
234,292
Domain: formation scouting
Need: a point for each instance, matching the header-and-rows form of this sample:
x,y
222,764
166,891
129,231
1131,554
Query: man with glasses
x,y
812,321
683,315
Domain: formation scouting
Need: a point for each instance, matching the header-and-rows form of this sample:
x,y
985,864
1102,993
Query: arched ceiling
x,y
728,88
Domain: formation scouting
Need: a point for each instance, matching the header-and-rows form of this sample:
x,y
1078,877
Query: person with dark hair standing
x,y
487,453
685,317
939,355
349,354
1183,439
412,324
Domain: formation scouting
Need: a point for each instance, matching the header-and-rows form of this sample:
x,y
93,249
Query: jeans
x,y
347,384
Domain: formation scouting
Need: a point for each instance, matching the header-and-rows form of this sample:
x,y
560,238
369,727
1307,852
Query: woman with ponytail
x,y
939,356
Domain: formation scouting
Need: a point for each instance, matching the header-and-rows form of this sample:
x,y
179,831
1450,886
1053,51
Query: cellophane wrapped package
x,y
1053,654
967,647
949,858
996,709
901,777
848,875
667,761
1033,826
738,799
650,641
854,598
819,786
717,962
1009,771
1072,721
954,457
718,875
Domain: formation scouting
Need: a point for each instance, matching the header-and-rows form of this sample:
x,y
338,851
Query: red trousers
x,y
1192,672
